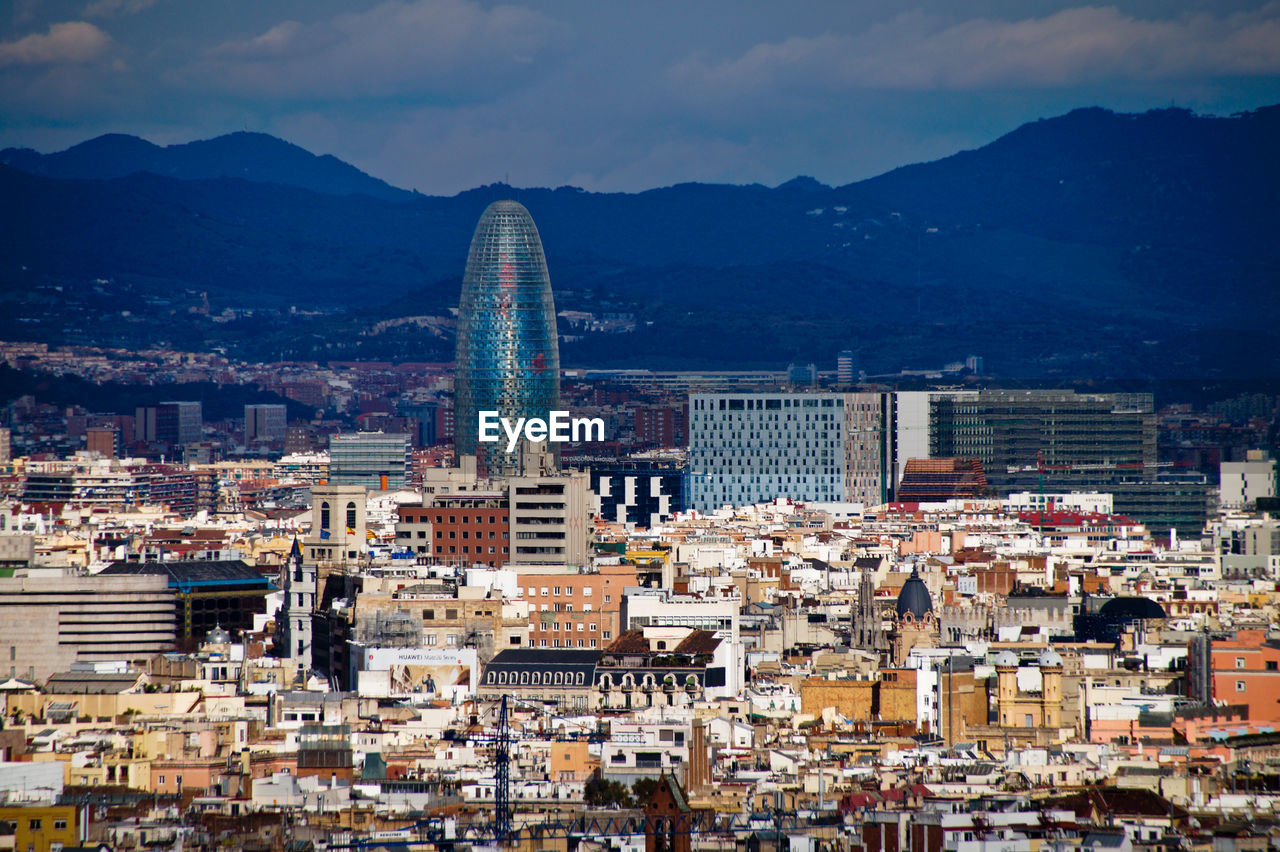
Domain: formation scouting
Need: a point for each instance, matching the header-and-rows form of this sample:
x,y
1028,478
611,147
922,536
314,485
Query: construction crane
x,y
502,776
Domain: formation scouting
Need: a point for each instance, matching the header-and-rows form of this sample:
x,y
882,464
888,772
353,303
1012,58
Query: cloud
x,y
110,8
916,51
70,42
445,48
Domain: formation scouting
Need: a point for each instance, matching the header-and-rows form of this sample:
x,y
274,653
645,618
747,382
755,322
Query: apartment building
x,y
568,610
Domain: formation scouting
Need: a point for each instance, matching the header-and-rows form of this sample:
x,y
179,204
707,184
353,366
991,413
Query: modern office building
x,y
508,357
1033,440
376,460
210,593
169,424
747,448
1021,435
910,428
868,448
47,624
265,424
644,492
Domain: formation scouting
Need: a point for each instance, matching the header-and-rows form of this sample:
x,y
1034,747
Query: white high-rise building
x,y
1244,482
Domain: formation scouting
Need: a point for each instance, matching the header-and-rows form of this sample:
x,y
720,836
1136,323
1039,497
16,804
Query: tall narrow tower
x,y
508,356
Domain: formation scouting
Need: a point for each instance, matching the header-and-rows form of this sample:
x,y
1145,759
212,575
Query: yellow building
x,y
1041,709
38,827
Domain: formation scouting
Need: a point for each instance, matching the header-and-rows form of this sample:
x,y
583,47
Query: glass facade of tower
x,y
508,356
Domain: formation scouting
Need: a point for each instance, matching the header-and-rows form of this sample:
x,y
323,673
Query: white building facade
x,y
747,448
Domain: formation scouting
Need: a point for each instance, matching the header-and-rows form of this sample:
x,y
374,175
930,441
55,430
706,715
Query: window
x,y
59,825
1239,662
1240,686
1027,717
33,824
324,516
428,615
351,517
608,598
586,591
557,590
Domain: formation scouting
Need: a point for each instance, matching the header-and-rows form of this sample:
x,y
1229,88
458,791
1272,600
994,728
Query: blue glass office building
x,y
508,357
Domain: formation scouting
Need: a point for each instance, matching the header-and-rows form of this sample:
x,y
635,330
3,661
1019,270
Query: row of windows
x,y
757,403
554,626
536,678
558,591
557,607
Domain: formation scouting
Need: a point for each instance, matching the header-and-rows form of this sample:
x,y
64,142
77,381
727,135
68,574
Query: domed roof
x,y
217,636
1006,658
1049,657
914,598
1131,608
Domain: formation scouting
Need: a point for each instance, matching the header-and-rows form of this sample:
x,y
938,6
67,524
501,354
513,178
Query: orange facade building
x,y
1246,670
575,610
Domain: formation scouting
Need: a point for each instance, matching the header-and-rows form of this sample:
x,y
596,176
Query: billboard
x,y
426,673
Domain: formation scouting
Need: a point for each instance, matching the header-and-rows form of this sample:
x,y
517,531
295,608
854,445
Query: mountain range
x,y
1093,244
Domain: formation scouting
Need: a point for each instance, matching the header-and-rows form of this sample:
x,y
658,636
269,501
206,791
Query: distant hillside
x,y
1089,244
253,157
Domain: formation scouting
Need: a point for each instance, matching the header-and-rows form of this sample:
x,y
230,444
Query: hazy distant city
x,y
440,425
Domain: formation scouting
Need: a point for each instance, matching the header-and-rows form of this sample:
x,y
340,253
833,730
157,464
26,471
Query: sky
x,y
444,95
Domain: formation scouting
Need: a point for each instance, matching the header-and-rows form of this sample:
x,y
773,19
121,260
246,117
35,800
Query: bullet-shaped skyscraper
x,y
508,356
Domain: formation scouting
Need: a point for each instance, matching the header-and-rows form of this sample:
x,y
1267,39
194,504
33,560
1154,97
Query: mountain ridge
x,y
1077,232
256,157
